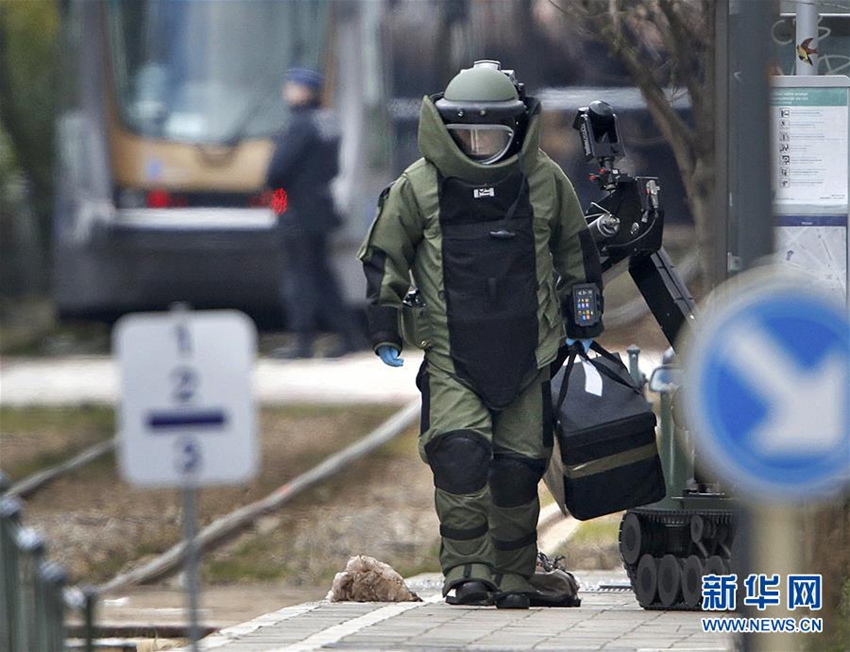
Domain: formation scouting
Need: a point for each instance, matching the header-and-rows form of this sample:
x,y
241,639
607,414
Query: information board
x,y
810,119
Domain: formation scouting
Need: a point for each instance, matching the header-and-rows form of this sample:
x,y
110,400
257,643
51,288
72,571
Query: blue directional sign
x,y
767,390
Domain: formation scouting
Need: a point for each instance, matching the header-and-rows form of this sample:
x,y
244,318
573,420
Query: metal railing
x,y
33,594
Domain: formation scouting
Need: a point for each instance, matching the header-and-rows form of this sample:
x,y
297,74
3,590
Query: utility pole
x,y
722,141
754,210
807,37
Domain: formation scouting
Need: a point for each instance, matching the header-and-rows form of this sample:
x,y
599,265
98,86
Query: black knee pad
x,y
459,461
514,478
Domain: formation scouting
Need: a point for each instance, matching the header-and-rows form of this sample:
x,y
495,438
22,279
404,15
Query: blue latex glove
x,y
389,355
584,342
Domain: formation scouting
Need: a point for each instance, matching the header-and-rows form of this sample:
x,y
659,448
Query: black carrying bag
x,y
607,441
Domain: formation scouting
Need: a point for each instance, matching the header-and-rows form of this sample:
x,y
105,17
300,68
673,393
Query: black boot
x,y
512,601
471,592
514,591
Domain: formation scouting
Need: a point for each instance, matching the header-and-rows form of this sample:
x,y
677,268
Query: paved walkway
x,y
609,619
152,606
356,378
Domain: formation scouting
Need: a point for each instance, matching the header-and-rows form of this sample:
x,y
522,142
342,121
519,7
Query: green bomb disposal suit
x,y
494,251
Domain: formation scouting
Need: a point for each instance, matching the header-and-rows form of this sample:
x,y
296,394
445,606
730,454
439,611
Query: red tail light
x,y
279,201
158,199
276,199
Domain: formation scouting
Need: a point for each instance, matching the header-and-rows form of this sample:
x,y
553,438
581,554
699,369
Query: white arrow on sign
x,y
806,406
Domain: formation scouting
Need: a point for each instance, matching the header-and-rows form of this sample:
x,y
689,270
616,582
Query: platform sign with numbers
x,y
187,414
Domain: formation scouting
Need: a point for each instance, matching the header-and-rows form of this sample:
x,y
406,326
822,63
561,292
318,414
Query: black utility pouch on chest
x,y
606,438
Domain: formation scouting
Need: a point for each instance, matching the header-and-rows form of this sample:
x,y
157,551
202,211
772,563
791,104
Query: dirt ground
x,y
98,525
39,438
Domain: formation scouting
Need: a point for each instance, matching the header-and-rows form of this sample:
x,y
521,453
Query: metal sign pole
x,y
754,220
191,567
754,210
164,419
189,464
777,551
807,38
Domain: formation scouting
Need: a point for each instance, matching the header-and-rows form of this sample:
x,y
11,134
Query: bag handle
x,y
562,395
578,350
605,371
598,348
558,362
564,353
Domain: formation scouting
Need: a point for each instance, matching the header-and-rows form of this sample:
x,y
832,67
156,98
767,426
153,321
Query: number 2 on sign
x,y
185,384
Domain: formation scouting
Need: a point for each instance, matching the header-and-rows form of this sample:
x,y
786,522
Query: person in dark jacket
x,y
304,162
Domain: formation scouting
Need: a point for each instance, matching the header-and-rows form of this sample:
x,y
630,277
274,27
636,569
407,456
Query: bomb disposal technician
x,y
493,233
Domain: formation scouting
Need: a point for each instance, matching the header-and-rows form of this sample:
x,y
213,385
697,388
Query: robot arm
x,y
627,224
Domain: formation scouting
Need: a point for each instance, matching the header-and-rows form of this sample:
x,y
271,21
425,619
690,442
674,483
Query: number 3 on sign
x,y
188,456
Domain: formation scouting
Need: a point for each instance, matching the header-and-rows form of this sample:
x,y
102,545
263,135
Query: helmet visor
x,y
482,143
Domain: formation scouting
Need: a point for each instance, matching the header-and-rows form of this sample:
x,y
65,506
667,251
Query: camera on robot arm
x,y
628,220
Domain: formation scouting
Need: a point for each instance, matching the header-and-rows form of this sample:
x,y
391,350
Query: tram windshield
x,y
209,72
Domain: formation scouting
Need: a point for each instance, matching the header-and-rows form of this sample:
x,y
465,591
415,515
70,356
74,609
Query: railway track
x,y
553,528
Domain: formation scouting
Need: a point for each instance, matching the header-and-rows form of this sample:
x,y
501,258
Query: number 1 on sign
x,y
184,339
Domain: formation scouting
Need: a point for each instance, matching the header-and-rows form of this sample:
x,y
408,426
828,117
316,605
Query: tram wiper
x,y
218,157
239,132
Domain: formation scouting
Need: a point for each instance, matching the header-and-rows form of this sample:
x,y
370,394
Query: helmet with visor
x,y
483,111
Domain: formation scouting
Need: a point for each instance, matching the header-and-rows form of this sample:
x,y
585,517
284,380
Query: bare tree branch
x,y
681,47
669,122
664,44
684,20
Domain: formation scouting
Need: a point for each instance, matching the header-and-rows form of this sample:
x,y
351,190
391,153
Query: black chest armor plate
x,y
490,279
